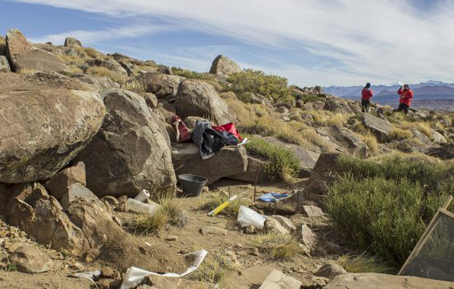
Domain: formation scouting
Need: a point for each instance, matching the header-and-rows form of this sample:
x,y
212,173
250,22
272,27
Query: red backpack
x,y
183,134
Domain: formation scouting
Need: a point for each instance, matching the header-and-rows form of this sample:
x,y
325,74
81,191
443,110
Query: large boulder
x,y
37,60
42,218
16,43
46,120
384,281
198,98
72,42
379,127
161,85
22,56
224,66
227,162
99,83
130,152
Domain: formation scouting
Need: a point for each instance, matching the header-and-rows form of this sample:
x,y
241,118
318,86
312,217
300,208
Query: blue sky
x,y
311,42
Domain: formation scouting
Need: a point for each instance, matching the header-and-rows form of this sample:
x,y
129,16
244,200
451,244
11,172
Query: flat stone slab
x,y
278,280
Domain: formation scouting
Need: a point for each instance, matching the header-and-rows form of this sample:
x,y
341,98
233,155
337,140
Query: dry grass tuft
x,y
362,264
277,246
214,270
371,142
102,71
149,224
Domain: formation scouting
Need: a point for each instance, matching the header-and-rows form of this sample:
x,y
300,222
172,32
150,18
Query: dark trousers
x,y
403,107
365,105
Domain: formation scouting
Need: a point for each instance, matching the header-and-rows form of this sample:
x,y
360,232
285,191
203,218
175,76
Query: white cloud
x,y
99,36
381,41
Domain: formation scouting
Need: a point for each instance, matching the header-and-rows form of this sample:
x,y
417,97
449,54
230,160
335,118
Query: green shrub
x,y
270,86
312,98
383,207
190,74
278,159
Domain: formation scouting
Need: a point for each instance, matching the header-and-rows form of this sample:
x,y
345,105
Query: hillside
x,y
386,95
96,152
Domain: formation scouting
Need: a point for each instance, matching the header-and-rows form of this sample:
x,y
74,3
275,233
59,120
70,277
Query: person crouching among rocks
x,y
366,95
406,94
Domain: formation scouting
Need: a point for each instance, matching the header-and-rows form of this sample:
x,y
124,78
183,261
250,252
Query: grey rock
x,y
313,211
379,127
346,140
130,152
108,64
330,271
186,160
76,191
278,280
59,184
29,259
161,85
274,226
43,127
308,237
37,60
285,222
32,210
224,66
72,42
198,98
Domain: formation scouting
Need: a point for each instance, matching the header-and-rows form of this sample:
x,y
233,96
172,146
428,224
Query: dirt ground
x,y
250,267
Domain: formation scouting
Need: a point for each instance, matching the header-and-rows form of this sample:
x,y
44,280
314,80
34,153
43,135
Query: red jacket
x,y
405,96
367,93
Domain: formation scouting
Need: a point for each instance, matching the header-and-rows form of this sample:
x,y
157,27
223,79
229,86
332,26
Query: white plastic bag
x,y
135,275
248,217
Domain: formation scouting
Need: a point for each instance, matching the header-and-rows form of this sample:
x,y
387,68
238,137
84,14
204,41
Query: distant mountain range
x,y
425,93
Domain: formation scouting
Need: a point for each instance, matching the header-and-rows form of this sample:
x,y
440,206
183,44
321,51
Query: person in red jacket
x,y
366,95
406,95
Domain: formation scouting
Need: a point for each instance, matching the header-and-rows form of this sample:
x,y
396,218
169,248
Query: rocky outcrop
x,y
227,162
41,216
198,98
22,56
161,85
379,127
337,105
384,281
46,120
130,152
72,42
224,66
